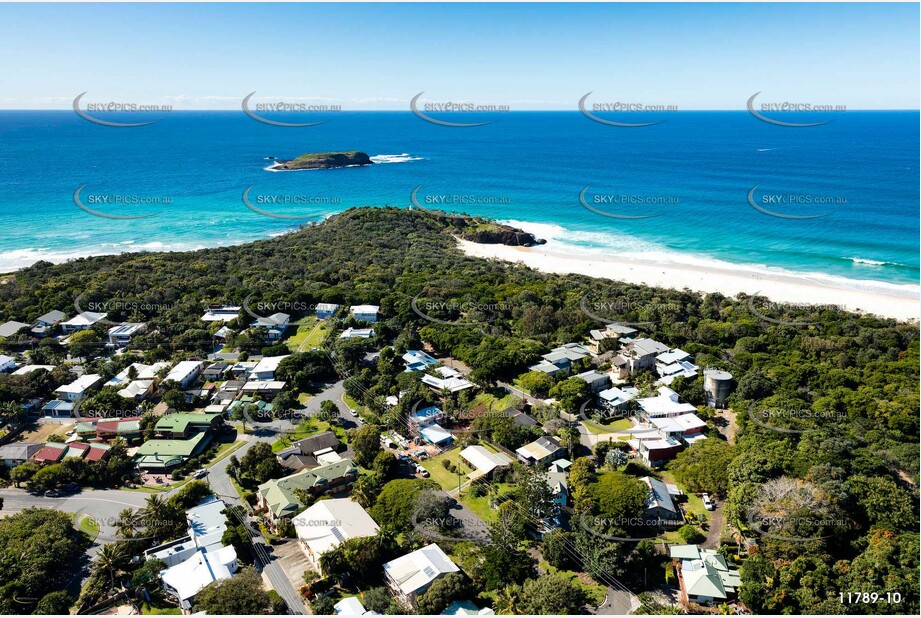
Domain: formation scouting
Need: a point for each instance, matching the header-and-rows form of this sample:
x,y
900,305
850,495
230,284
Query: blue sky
x,y
528,56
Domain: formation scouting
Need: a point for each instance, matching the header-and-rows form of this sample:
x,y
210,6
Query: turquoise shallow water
x,y
693,172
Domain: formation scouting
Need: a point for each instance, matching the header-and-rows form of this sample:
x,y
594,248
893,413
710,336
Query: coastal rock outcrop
x,y
325,160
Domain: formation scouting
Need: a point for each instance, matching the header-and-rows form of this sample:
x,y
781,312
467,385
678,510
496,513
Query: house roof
x,y
180,422
80,384
436,434
364,309
85,318
329,522
645,347
52,317
363,333
10,328
280,494
617,396
540,448
665,404
268,364
324,440
161,450
659,496
680,423
188,577
420,568
19,450
52,451
672,356
484,460
30,368
350,606
182,370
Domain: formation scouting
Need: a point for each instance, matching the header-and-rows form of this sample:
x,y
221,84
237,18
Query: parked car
x,y
200,474
422,471
708,503
353,412
54,493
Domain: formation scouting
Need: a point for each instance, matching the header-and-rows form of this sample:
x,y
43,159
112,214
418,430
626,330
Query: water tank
x,y
717,385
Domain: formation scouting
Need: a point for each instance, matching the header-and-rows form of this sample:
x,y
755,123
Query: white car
x,y
708,503
199,474
353,412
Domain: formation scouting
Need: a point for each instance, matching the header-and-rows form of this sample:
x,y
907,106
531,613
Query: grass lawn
x,y
41,432
694,503
495,403
480,506
593,590
308,428
157,606
224,450
444,477
303,398
622,424
310,334
366,414
86,524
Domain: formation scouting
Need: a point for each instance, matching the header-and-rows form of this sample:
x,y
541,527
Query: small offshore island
x,y
324,160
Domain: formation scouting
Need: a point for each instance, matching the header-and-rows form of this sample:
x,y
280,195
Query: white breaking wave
x,y
394,158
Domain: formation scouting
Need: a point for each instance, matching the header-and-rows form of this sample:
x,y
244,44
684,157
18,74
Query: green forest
x,y
826,402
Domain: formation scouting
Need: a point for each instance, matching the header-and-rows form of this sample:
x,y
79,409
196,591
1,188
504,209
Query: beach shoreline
x,y
902,302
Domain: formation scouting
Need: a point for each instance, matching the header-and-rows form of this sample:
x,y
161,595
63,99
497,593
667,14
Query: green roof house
x,y
184,425
162,454
279,497
705,576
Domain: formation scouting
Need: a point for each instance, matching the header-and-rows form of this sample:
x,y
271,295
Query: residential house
x,y
436,434
659,505
215,371
425,417
561,359
351,606
704,576
183,425
82,321
450,380
272,327
104,429
11,455
417,360
323,526
596,381
161,454
520,418
558,481
640,354
673,364
613,331
58,408
279,498
367,313
55,452
265,368
45,324
221,313
666,403
7,363
357,333
616,401
8,329
22,371
326,310
687,428
483,461
466,607
121,335
199,558
266,389
542,451
411,575
142,384
185,373
303,453
79,388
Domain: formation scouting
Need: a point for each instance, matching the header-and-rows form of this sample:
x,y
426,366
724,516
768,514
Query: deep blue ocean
x,y
694,172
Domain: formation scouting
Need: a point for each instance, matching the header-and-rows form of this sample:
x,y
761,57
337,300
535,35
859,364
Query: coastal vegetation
x,y
826,402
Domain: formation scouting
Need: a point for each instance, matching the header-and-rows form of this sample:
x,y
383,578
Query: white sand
x,y
897,301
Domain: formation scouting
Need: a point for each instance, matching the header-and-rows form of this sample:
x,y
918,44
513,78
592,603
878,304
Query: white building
x,y
664,404
265,368
82,321
7,363
357,333
77,390
328,523
185,372
410,575
221,313
484,460
368,313
22,371
122,334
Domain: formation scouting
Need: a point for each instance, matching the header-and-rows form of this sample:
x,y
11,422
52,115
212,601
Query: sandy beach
x,y
887,300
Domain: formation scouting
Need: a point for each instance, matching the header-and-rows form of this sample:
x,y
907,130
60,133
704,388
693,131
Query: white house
x,y
664,404
82,321
410,575
185,372
77,390
122,334
328,523
265,368
221,313
483,460
22,371
7,363
357,333
273,326
368,313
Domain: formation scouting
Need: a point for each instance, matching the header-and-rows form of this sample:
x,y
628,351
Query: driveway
x,y
716,526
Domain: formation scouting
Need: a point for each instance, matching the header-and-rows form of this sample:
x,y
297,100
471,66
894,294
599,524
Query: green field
x,y
448,480
622,424
495,403
310,334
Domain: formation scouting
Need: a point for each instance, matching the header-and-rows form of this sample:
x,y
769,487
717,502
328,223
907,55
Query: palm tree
x,y
507,600
158,516
109,560
570,437
129,522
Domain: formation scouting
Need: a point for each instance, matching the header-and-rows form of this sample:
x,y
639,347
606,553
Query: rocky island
x,y
324,160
